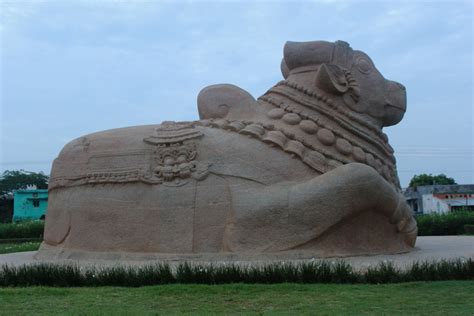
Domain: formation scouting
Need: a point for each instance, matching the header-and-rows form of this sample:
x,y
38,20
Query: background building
x,y
440,198
30,204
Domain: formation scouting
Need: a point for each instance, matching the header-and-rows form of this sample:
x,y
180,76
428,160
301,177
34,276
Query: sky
x,y
69,68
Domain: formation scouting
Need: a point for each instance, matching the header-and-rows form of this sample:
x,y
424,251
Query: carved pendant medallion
x,y
174,155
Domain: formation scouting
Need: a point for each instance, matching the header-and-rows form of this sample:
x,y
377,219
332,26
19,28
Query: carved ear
x,y
332,79
335,80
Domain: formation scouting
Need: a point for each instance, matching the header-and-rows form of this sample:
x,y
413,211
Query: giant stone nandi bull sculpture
x,y
305,169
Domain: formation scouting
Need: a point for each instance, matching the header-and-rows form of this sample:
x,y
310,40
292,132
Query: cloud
x,y
82,66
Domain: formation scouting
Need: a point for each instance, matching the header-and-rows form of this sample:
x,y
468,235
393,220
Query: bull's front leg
x,y
287,215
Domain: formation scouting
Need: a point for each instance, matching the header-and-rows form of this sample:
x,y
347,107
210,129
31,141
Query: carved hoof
x,y
410,238
402,211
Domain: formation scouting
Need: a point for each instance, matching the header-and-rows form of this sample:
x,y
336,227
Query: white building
x,y
440,198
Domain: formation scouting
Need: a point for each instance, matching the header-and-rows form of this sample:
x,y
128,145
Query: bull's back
x,y
165,189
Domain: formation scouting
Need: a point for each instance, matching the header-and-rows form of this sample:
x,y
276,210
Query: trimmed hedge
x,y
444,224
31,229
469,229
310,272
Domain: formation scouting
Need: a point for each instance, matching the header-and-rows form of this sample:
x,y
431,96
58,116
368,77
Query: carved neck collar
x,y
313,106
318,101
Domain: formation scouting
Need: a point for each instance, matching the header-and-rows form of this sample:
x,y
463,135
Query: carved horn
x,y
298,54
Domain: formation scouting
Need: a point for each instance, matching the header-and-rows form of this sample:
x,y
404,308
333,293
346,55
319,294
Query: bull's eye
x,y
364,65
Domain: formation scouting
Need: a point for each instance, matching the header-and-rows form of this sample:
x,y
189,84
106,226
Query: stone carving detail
x,y
174,154
333,79
172,133
308,126
103,176
304,169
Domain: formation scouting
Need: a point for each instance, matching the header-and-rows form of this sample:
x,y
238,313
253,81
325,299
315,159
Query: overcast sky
x,y
69,68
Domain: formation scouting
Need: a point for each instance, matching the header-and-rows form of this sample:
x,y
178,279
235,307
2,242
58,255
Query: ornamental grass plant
x,y
338,272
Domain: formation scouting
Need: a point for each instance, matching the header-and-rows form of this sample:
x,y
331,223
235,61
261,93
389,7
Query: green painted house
x,y
29,204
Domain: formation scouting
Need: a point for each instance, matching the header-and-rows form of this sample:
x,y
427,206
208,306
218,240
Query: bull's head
x,y
348,75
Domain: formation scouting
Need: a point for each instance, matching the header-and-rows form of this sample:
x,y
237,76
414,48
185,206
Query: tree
x,y
12,180
429,179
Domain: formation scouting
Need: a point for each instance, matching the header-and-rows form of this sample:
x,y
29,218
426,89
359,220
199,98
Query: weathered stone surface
x,y
304,168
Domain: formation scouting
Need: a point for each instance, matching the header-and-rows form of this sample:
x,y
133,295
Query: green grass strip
x,y
19,247
415,298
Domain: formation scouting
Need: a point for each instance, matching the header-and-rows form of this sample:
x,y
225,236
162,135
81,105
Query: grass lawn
x,y
430,298
19,247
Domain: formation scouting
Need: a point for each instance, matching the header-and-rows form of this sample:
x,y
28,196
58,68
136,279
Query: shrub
x,y
228,274
441,270
444,224
385,272
469,229
31,229
42,274
45,274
